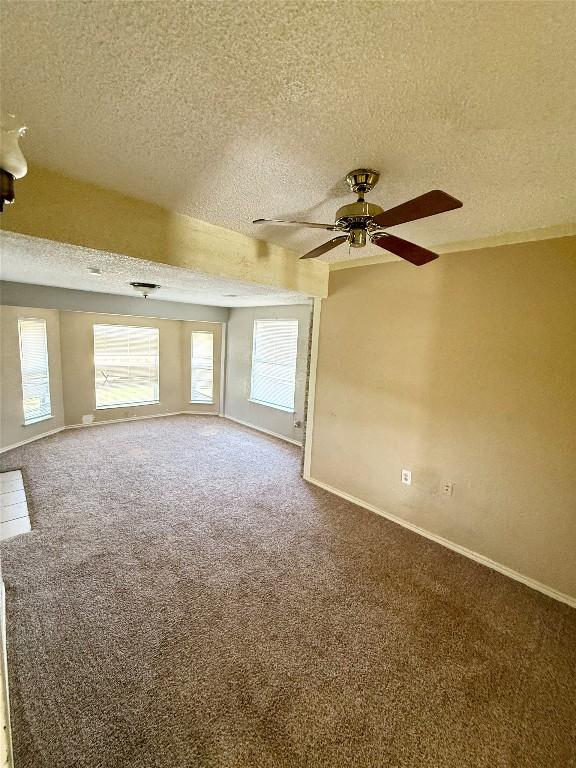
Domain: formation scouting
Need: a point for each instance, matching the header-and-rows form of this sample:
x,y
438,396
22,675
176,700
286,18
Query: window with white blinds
x,y
274,350
34,368
126,365
202,374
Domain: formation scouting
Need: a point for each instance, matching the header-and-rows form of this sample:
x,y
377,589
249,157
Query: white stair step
x,y
13,512
12,497
11,485
11,481
14,528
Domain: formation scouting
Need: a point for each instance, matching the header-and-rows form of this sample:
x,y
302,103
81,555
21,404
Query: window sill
x,y
126,405
203,402
37,421
271,405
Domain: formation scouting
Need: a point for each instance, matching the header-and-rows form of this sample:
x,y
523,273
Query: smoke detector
x,y
145,288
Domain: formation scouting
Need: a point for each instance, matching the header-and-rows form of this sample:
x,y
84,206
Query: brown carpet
x,y
185,599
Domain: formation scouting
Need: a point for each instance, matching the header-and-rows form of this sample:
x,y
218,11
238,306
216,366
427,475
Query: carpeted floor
x,y
186,600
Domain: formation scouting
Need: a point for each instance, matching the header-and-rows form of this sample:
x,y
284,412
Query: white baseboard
x,y
32,439
117,421
261,429
532,583
140,418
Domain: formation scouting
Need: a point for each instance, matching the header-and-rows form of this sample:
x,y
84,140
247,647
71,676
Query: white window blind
x,y
126,365
202,375
34,368
274,350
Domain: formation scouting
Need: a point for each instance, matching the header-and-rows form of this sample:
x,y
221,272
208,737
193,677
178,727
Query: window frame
x,y
200,402
125,405
29,421
265,403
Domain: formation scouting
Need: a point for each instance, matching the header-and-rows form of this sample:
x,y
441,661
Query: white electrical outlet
x,y
406,477
447,488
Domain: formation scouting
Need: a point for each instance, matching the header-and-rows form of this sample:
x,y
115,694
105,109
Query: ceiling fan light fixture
x,y
145,289
357,238
12,162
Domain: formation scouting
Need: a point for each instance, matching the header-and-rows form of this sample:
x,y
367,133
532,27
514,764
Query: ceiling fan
x,y
362,221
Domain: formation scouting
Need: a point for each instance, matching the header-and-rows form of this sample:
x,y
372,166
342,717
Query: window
x,y
126,365
274,363
202,354
34,368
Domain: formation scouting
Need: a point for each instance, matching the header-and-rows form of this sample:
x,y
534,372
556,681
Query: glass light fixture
x,y
145,288
12,161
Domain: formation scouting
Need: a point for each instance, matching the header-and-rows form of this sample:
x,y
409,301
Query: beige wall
x,y
78,366
461,370
239,367
12,428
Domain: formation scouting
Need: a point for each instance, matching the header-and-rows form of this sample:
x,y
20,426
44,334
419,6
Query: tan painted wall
x,y
78,366
462,370
66,210
12,428
239,370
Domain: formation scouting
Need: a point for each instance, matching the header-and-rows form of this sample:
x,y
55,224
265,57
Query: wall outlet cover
x,y
447,488
406,477
88,419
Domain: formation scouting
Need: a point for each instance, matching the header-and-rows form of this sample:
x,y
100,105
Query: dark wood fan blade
x,y
413,253
429,204
295,223
325,247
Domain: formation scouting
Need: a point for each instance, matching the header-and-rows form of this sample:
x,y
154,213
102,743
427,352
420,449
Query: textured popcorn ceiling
x,y
229,111
43,262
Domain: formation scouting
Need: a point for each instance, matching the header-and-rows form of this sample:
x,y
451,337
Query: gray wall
x,y
12,427
238,369
48,297
71,362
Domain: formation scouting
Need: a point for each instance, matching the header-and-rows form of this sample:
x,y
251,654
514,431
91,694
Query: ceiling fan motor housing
x,y
357,215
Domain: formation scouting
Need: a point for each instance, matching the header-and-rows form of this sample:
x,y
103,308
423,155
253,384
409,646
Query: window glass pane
x,y
274,351
34,369
126,365
202,374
